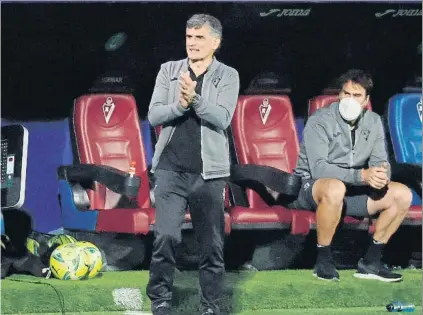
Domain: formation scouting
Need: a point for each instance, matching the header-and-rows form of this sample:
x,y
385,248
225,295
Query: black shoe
x,y
161,309
208,311
248,267
376,271
326,270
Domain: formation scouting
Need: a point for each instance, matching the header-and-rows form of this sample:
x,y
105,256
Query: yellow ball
x,y
67,262
94,259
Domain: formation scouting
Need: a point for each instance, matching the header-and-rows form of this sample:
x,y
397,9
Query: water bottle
x,y
132,169
132,182
400,307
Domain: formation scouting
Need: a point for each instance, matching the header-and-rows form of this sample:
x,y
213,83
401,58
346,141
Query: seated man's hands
x,y
376,177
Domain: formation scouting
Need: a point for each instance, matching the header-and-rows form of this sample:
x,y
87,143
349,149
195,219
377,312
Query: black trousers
x,y
174,191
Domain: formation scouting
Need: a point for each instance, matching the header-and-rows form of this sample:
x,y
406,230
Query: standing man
x,y
344,165
193,100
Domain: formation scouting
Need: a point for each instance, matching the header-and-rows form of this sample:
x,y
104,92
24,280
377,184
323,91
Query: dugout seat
x,y
188,223
97,193
404,126
264,133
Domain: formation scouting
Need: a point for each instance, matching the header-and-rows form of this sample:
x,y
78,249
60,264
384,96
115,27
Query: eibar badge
x,y
265,109
216,81
108,108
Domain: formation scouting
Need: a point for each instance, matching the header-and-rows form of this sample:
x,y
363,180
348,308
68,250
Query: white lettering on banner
x,y
112,80
286,12
399,12
108,108
265,109
419,109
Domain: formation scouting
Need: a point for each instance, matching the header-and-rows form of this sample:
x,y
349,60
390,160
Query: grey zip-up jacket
x,y
327,151
215,107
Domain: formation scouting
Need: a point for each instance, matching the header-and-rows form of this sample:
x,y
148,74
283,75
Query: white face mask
x,y
350,109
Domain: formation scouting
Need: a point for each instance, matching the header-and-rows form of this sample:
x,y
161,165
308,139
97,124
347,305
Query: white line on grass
x,y
130,299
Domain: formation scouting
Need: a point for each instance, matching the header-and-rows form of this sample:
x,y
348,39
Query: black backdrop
x,y
52,53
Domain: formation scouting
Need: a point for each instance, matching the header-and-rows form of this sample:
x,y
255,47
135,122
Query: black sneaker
x,y
326,270
161,309
248,267
208,311
376,271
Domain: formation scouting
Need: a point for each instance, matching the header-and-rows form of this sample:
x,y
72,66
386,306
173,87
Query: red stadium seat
x,y
107,132
264,133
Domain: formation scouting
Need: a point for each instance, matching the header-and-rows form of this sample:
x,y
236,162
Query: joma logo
x,y
286,12
399,12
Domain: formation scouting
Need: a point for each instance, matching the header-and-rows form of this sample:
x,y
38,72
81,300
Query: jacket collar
x,y
212,67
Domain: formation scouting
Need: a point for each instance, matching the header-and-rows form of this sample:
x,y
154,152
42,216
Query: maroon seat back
x,y
107,132
264,133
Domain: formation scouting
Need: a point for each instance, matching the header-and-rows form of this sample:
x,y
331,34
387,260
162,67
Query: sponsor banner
x,y
252,15
398,13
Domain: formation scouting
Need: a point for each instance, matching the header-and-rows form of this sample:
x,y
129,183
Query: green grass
x,y
289,292
314,311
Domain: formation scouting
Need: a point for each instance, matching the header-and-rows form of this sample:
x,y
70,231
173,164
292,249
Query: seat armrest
x,y
115,180
409,175
273,178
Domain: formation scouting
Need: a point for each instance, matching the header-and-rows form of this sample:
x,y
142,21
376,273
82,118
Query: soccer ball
x,y
68,262
60,240
94,259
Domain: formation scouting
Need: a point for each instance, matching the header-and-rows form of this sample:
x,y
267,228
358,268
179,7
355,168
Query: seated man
x,y
343,162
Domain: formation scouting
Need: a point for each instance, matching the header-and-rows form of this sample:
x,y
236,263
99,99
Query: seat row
x,y
105,135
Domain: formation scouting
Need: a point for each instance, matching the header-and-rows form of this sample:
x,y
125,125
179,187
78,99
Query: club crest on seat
x,y
265,109
108,108
419,109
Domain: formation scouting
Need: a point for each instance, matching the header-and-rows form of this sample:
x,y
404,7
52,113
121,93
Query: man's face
x,y
200,43
356,91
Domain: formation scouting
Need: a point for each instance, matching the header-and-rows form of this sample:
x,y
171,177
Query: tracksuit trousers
x,y
174,193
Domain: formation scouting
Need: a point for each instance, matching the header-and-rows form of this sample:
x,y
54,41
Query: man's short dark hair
x,y
358,77
198,20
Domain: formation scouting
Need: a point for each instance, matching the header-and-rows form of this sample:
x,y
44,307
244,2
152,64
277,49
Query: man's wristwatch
x,y
195,99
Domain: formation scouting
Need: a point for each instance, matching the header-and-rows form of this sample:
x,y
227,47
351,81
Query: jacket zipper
x,y
352,150
171,135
